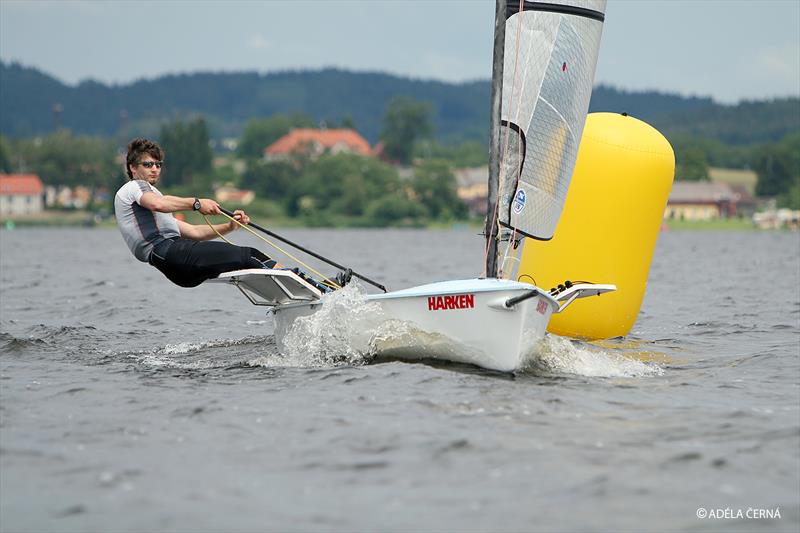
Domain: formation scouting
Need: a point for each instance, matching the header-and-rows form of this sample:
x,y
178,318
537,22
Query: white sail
x,y
548,70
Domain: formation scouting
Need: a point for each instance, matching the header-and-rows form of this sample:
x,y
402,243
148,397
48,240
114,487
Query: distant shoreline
x,y
719,224
69,218
79,218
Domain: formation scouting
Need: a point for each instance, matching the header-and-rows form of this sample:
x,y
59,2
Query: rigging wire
x,y
496,211
324,279
511,255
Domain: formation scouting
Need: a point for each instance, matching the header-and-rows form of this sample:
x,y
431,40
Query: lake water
x,y
127,403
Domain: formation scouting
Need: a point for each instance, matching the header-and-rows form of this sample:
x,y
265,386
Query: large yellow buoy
x,y
608,229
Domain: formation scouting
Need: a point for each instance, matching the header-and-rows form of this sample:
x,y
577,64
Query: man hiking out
x,y
183,252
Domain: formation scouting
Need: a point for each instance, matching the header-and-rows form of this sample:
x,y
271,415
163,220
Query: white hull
x,y
492,323
464,321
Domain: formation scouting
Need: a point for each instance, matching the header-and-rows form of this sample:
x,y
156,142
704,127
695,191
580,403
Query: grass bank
x,y
720,224
271,219
268,219
734,176
51,218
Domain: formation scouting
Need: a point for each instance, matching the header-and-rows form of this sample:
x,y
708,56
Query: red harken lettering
x,y
459,301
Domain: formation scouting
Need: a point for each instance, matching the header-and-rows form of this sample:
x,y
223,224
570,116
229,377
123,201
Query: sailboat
x,y
544,62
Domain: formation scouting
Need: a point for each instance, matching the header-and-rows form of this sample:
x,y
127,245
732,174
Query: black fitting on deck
x,y
511,302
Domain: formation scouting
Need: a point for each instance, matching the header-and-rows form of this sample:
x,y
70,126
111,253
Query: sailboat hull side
x,y
462,321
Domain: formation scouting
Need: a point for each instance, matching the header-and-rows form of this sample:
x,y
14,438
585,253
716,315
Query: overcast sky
x,y
729,50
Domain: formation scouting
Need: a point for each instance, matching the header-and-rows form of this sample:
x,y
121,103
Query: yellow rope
x,y
327,281
220,235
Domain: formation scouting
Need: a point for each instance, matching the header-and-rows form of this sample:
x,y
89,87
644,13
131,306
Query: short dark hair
x,y
137,148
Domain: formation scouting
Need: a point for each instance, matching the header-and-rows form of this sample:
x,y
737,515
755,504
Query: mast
x,y
491,229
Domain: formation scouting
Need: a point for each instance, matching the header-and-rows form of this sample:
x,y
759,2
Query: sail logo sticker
x,y
458,301
519,201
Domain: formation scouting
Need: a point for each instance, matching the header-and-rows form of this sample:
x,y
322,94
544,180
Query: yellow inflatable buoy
x,y
608,229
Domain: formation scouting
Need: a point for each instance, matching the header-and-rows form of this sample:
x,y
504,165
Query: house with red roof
x,y
21,194
315,142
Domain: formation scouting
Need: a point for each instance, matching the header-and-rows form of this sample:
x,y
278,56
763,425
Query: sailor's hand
x,y
241,217
209,207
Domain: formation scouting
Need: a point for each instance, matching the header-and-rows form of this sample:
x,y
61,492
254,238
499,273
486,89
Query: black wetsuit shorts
x,y
189,263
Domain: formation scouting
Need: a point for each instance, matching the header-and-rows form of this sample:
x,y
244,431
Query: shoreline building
x,y
315,142
701,200
473,188
21,194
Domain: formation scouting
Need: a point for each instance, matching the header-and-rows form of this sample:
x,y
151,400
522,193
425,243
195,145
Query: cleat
x,y
344,277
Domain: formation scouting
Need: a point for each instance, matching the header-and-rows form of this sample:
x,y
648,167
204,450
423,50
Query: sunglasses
x,y
149,164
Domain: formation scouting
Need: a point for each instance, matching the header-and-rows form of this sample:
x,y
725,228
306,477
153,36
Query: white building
x,y
20,194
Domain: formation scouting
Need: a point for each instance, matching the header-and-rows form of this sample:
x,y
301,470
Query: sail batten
x,y
583,8
549,62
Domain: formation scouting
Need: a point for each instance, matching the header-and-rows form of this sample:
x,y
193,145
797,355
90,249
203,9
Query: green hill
x,y
28,100
741,124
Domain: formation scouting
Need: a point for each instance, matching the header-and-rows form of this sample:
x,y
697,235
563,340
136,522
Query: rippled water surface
x,y
127,403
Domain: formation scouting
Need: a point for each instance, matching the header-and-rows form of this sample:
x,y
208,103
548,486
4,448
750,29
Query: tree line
x,y
348,188
341,189
34,104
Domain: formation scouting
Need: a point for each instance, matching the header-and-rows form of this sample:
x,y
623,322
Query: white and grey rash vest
x,y
141,228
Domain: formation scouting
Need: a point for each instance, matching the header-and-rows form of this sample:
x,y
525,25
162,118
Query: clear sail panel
x,y
550,57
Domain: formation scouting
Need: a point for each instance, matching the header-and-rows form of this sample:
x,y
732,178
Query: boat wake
x,y
347,330
203,355
558,355
337,334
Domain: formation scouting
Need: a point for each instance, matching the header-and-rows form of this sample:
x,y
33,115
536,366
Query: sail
x,y
548,69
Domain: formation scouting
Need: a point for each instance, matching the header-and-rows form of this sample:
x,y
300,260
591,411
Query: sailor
x,y
183,252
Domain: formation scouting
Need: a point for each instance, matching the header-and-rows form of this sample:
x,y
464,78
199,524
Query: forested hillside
x,y
229,100
33,103
742,124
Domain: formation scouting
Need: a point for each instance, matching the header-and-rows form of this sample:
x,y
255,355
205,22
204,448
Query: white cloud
x,y
780,61
258,42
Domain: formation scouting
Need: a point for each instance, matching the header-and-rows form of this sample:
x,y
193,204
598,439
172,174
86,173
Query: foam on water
x,y
195,355
161,360
561,355
338,333
181,348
